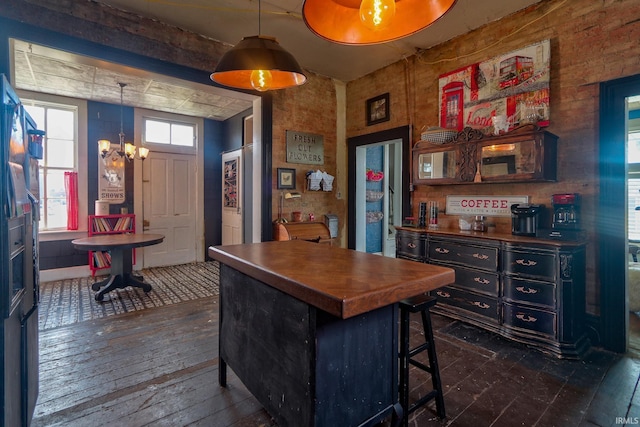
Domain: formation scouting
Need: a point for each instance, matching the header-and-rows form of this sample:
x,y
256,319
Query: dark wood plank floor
x,y
159,367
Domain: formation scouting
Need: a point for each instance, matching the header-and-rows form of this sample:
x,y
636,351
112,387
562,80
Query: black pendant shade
x,y
253,54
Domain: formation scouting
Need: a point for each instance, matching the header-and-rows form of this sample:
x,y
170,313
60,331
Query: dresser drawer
x,y
530,291
478,280
531,319
413,245
464,254
542,265
478,304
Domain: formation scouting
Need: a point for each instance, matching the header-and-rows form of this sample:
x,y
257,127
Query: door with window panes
x,y
170,193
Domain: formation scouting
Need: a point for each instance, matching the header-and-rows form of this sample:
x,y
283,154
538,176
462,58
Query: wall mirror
x,y
508,159
437,165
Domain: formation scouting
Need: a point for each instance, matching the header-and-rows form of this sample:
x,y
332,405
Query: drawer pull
x,y
526,318
481,256
411,245
481,280
526,263
442,250
443,294
526,290
480,304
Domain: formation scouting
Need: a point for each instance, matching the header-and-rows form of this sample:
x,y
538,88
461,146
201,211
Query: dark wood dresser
x,y
527,289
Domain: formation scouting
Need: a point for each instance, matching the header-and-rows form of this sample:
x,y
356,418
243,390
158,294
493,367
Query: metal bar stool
x,y
420,304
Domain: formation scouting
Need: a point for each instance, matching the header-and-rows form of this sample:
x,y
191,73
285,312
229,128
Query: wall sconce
x,y
362,22
127,150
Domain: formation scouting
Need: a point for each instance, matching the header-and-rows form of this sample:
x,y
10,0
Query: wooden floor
x,y
159,367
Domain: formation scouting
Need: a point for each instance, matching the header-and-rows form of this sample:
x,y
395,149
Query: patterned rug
x,y
64,302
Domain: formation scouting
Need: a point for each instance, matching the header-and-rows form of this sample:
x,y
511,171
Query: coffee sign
x,y
307,148
483,205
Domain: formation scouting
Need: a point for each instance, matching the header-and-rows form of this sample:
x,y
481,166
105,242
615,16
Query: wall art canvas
x,y
230,185
513,86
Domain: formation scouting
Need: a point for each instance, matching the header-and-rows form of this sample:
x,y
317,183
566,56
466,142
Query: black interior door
x,y
611,223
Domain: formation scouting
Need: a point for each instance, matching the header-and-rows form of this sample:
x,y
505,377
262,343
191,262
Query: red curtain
x,y
71,190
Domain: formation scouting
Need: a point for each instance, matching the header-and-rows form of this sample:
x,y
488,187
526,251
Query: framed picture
x,y
378,109
286,178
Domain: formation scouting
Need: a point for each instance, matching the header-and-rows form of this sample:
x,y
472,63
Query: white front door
x,y
232,198
170,205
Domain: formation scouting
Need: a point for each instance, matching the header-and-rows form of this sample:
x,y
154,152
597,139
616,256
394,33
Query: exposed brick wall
x,y
310,108
591,42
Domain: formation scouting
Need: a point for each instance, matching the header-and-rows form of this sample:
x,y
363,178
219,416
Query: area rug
x,y
69,301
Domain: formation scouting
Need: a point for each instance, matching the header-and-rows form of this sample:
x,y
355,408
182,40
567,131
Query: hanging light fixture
x,y
127,150
362,22
260,63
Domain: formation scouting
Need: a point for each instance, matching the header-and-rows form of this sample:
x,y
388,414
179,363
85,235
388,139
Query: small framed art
x,y
286,178
377,109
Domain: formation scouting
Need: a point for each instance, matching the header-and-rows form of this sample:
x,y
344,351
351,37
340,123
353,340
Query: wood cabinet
x,y
526,289
108,224
312,231
525,154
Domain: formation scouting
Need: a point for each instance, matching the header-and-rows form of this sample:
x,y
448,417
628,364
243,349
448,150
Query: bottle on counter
x,y
433,215
478,223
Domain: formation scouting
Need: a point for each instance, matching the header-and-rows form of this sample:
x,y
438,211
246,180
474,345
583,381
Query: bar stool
x,y
421,304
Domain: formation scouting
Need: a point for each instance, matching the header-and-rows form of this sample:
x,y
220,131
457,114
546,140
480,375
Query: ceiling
x,y
46,70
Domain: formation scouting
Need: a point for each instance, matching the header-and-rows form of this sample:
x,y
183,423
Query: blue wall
x,y
104,122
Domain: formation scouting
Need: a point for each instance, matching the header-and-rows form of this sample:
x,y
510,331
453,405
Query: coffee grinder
x,y
565,224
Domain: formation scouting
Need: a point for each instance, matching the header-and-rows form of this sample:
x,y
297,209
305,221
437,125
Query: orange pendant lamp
x,y
260,63
362,22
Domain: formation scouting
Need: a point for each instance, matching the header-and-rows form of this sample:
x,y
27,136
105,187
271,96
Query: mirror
x,y
508,159
441,164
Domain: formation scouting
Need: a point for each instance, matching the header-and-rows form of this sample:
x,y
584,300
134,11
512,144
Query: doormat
x,y
69,301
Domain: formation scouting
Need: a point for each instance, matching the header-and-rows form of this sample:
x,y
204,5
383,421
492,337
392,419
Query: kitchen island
x,y
311,330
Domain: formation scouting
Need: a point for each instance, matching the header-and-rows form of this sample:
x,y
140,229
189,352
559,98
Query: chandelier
x,y
123,149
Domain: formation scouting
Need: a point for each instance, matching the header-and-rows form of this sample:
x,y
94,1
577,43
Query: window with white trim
x,y
633,160
168,132
64,146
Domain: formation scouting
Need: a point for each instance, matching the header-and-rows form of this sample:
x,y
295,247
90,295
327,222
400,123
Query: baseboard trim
x,y
66,273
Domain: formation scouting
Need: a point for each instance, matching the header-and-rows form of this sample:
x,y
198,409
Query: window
x,y
157,131
633,159
64,150
633,185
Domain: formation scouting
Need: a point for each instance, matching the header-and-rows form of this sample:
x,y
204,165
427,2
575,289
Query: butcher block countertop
x,y
342,282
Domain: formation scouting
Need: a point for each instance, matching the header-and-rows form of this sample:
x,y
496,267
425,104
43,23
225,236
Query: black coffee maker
x,y
525,218
565,224
566,211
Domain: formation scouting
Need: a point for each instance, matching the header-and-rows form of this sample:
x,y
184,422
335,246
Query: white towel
x,y
327,182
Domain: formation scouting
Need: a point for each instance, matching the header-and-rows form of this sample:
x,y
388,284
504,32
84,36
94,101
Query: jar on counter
x,y
478,223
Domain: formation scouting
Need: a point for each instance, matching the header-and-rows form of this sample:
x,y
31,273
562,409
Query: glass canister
x,y
433,214
478,223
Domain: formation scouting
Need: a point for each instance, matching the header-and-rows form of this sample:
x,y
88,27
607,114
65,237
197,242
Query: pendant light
x,y
260,63
362,22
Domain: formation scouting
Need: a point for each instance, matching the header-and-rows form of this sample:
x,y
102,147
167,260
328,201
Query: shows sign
x,y
111,178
